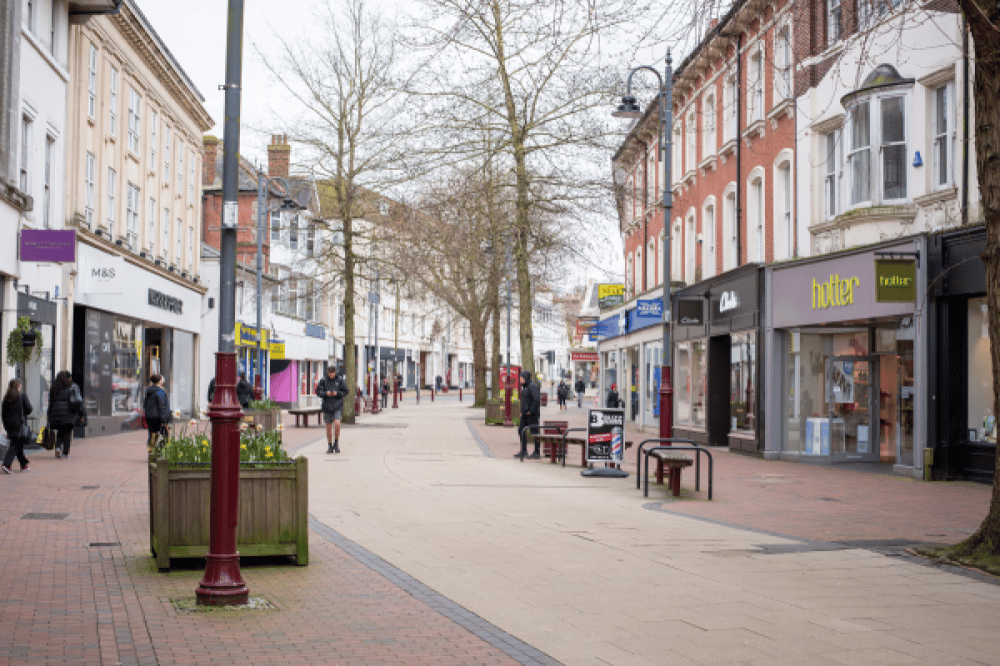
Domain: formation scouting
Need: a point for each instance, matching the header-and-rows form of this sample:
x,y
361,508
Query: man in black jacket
x,y
244,391
580,388
332,389
531,402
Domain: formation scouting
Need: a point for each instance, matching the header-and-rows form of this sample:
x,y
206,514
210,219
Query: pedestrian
x,y
635,402
613,402
156,408
65,403
385,393
16,408
562,393
332,389
531,402
244,391
211,390
581,388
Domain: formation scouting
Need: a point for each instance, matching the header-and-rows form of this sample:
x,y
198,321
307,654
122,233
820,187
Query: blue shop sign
x,y
650,308
315,331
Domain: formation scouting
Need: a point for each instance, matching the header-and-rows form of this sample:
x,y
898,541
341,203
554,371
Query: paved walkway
x,y
431,544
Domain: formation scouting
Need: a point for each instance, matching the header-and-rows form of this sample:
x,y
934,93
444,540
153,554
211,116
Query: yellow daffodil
x,y
267,448
192,422
243,446
281,426
269,455
259,427
243,426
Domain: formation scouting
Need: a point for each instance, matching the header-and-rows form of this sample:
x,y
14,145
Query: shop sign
x,y
585,327
605,435
690,312
649,308
895,281
315,331
728,301
48,245
584,356
277,349
169,303
104,275
610,296
246,336
835,293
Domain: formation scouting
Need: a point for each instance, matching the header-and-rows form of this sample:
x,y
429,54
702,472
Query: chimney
x,y
278,154
712,23
210,157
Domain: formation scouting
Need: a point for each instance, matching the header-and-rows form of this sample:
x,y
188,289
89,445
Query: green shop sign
x,y
895,281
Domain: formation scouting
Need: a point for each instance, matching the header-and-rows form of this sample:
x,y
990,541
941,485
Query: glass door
x,y
851,434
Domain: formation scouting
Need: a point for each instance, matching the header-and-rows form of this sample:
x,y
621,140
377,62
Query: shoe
x,y
521,454
336,448
59,453
329,447
535,455
65,456
6,470
26,468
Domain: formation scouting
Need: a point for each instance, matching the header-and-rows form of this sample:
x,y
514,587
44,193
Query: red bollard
x,y
460,395
432,394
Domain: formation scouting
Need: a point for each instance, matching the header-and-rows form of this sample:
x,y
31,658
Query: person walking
x,y
65,403
211,390
562,393
581,388
613,402
531,402
244,391
332,389
156,408
385,393
15,410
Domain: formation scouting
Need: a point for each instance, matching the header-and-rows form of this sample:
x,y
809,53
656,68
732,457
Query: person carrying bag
x,y
15,410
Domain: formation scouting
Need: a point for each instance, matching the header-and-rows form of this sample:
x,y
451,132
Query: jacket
x,y
580,386
156,405
613,400
12,414
531,400
335,402
64,405
244,392
211,389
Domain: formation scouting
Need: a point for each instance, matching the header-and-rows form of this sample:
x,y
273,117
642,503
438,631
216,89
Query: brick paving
x,y
79,586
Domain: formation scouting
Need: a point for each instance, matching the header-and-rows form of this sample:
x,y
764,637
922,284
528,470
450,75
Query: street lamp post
x,y
509,388
630,109
262,184
396,388
223,583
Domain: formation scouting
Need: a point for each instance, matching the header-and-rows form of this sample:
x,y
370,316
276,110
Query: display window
x,y
981,419
690,372
126,381
743,381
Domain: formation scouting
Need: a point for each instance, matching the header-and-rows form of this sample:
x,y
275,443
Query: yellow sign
x,y
246,336
277,350
610,290
834,293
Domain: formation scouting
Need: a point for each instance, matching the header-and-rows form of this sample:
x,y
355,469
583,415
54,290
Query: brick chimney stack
x,y
210,156
278,156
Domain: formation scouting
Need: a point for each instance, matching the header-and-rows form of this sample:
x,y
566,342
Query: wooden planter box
x,y
269,418
273,511
494,413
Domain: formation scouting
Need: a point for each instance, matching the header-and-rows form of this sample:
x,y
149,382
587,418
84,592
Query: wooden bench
x,y
555,442
674,461
304,413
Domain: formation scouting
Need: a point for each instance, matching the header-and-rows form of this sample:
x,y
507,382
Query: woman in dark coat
x,y
613,402
156,406
65,402
15,413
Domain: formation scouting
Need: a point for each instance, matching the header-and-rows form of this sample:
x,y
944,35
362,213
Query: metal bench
x,y
304,413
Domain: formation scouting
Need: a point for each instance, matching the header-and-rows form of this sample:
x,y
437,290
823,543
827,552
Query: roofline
x,y
134,8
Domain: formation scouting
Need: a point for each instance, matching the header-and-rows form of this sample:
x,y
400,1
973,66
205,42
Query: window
x,y
732,102
29,16
943,141
275,227
651,263
25,152
178,239
165,226
677,150
190,262
708,125
784,206
691,143
743,380
180,169
310,240
689,251
52,28
676,252
134,105
708,242
151,237
50,144
859,156
89,165
893,148
756,221
980,373
191,177
731,256
831,184
690,381
383,208
340,314
113,104
92,84
166,155
628,274
293,233
112,176
152,140
132,216
755,87
783,64
832,21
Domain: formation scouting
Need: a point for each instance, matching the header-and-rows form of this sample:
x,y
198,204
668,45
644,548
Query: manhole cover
x,y
103,544
45,516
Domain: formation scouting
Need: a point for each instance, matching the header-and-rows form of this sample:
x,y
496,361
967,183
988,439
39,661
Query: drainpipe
x,y
965,121
739,149
645,219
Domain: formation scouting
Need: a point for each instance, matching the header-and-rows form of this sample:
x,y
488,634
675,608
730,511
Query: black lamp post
x,y
630,109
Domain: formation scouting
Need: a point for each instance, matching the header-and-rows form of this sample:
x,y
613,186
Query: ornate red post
x,y
508,389
223,584
258,390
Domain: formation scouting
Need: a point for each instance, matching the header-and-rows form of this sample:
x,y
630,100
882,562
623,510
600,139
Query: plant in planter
x,y
22,343
264,413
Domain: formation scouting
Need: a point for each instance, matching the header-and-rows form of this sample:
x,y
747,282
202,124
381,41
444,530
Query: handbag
x,y
46,438
24,432
81,418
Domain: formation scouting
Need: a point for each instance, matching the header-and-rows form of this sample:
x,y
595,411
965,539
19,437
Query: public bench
x,y
672,462
670,458
304,413
555,443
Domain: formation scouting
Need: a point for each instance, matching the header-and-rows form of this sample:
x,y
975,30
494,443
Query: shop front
x,y
962,421
718,368
630,356
129,324
847,350
297,362
37,374
253,354
584,366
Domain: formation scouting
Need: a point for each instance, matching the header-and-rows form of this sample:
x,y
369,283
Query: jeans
x,y
64,437
579,399
525,422
15,448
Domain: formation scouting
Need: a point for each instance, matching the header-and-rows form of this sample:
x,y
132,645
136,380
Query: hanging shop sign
x,y
277,349
585,327
583,356
649,308
48,245
610,296
690,311
246,336
895,281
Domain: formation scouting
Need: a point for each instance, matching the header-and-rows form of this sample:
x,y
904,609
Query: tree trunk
x,y
350,362
986,38
495,351
480,362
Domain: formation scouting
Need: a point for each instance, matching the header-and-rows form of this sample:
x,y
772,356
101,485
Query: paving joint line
x,y
476,436
510,645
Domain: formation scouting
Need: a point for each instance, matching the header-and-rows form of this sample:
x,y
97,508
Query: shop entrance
x,y
852,435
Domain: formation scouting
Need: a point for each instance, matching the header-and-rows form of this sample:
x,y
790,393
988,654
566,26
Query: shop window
x,y
689,387
805,388
981,419
126,386
743,381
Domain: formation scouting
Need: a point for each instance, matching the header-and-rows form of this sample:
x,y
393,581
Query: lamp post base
x,y
222,585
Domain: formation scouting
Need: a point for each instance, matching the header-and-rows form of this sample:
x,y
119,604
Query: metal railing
x,y
669,446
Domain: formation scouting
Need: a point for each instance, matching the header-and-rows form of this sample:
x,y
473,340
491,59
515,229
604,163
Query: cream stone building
x,y
134,198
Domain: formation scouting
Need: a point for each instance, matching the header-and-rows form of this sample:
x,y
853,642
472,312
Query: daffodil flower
x,y
259,427
243,446
269,455
281,426
177,414
192,422
243,426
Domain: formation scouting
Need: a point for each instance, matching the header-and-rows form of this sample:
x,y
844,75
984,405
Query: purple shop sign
x,y
46,245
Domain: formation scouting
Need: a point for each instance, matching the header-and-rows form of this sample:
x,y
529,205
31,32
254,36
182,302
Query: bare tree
x,y
352,132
